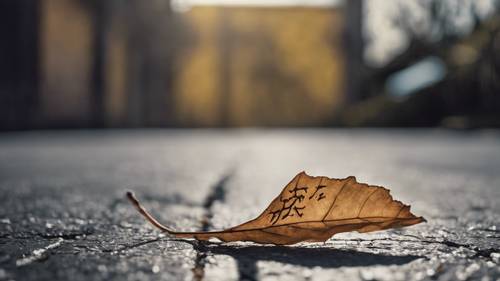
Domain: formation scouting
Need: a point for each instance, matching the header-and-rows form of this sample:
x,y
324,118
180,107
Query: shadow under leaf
x,y
247,256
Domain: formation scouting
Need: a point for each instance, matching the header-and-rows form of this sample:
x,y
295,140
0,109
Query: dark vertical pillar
x,y
354,50
151,47
100,21
135,85
159,53
18,63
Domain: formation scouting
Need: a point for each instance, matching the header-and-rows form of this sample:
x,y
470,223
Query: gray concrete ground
x,y
63,214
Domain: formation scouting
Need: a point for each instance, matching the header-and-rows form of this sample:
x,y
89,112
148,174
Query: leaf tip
x,y
131,196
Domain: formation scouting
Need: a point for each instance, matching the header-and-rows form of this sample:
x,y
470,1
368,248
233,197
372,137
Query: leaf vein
x,y
314,221
334,200
366,200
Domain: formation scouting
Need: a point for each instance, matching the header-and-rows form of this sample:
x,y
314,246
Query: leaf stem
x,y
131,197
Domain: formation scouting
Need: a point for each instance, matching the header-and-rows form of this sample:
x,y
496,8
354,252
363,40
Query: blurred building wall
x,y
104,63
66,60
261,66
115,71
134,63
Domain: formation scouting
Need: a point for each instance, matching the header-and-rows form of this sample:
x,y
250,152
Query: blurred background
x,y
247,63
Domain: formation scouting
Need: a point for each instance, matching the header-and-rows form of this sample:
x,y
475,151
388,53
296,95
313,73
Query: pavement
x,y
64,216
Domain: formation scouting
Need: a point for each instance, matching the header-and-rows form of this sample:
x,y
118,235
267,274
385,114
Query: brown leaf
x,y
312,209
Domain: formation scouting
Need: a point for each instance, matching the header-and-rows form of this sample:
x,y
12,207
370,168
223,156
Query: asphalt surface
x,y
64,216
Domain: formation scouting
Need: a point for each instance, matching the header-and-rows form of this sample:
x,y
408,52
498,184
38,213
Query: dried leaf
x,y
312,209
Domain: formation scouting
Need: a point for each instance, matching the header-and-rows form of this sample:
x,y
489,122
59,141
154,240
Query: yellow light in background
x,y
261,66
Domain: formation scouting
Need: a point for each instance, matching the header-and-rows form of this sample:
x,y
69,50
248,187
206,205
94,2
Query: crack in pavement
x,y
39,254
218,193
132,246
